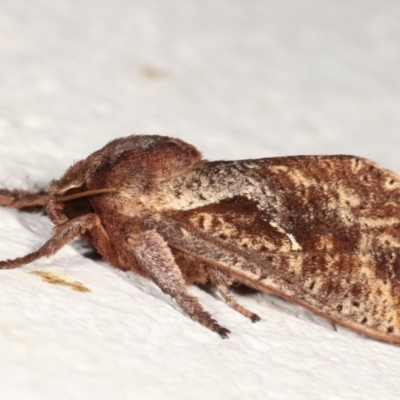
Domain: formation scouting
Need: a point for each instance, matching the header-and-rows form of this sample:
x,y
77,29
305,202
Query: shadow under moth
x,y
320,231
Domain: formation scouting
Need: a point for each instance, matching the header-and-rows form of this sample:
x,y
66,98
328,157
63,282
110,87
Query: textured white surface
x,y
238,81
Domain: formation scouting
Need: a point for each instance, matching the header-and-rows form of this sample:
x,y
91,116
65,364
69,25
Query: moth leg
x,y
155,257
22,199
63,235
222,282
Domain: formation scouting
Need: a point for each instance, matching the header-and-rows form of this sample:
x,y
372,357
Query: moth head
x,y
70,196
72,203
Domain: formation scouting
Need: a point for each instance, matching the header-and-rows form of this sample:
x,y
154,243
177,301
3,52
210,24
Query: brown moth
x,y
320,231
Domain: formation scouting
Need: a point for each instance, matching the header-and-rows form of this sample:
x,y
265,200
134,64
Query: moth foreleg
x,y
22,199
222,282
64,234
155,257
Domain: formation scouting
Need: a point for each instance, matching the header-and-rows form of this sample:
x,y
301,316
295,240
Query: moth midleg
x,y
222,282
64,234
155,257
22,199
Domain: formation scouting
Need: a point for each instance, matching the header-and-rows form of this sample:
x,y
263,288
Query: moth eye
x,y
76,207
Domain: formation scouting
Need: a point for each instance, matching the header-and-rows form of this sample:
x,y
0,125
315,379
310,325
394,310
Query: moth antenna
x,y
85,194
22,199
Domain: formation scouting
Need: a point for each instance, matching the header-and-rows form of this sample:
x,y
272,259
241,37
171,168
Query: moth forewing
x,y
321,231
331,248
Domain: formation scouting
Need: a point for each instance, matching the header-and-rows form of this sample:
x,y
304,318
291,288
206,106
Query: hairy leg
x,y
155,257
222,282
64,234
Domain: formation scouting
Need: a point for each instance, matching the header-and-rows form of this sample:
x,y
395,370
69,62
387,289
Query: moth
x,y
320,231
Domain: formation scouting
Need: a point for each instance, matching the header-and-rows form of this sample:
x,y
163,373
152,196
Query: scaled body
x,y
321,231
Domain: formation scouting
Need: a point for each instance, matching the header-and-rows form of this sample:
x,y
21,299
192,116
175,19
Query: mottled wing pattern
x,y
320,231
